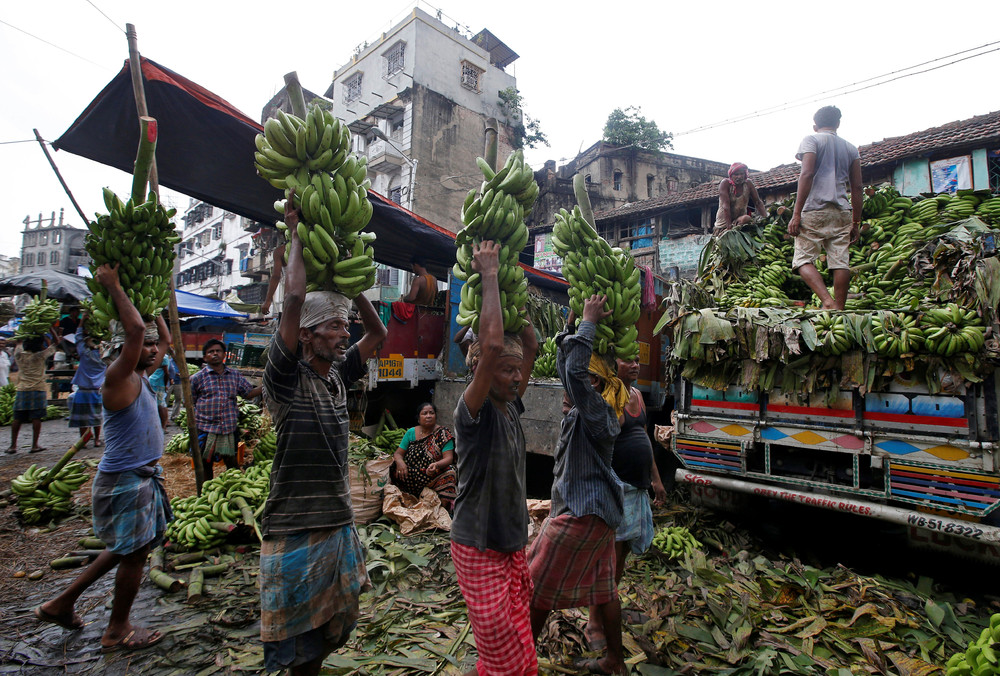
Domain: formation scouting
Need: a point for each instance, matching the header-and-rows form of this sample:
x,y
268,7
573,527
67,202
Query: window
x,y
352,88
649,185
618,180
31,239
394,59
387,276
587,179
396,127
43,238
638,230
217,231
53,258
56,237
28,259
471,75
672,185
396,194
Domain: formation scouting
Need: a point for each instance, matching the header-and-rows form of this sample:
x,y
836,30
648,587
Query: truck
x,y
767,406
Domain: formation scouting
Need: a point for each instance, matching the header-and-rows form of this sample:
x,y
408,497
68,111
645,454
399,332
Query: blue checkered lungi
x,y
31,400
309,588
86,408
131,509
636,527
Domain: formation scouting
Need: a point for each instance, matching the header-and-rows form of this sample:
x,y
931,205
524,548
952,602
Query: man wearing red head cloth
x,y
735,193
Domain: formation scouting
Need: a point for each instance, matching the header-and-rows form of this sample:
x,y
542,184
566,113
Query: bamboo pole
x,y
135,67
52,163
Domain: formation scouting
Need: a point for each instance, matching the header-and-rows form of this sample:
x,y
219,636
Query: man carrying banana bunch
x,y
312,564
572,561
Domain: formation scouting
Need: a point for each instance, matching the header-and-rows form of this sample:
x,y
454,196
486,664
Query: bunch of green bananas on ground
x,y
989,211
675,541
982,657
39,316
952,330
251,421
53,412
311,160
831,334
140,239
591,265
179,443
545,362
92,327
7,395
265,447
37,503
196,517
896,334
388,440
496,213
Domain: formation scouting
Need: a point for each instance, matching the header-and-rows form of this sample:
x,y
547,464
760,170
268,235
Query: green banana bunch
x,y
831,334
982,657
388,440
179,443
896,334
140,239
311,160
496,213
39,316
591,265
196,517
92,327
7,396
54,500
251,420
545,362
952,330
675,541
265,447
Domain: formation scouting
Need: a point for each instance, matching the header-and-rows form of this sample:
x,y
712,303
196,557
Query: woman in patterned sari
x,y
424,458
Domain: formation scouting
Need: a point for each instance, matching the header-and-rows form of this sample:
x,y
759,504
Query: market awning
x,y
59,285
193,304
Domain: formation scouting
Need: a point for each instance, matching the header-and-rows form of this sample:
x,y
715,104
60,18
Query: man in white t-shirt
x,y
824,219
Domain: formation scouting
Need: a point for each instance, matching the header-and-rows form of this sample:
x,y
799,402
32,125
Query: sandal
x,y
139,638
75,622
37,449
590,666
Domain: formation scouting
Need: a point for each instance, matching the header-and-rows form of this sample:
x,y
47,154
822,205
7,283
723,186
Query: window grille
x,y
618,180
352,88
993,168
394,59
471,75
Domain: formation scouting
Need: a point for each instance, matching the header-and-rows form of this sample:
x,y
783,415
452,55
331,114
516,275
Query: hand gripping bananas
x,y
39,316
496,213
311,161
37,503
591,265
140,239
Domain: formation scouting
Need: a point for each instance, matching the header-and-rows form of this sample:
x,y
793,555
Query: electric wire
x,y
51,44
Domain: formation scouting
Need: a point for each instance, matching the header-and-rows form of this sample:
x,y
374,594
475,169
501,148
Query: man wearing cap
x,y
572,561
735,194
490,525
312,564
130,506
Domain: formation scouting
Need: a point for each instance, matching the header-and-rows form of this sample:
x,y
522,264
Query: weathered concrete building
x,y
50,245
213,248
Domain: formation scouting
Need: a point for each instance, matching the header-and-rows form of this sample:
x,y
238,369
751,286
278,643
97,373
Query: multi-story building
x,y
50,245
214,246
9,265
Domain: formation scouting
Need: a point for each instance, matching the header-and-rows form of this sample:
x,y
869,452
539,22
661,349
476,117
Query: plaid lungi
x,y
636,527
31,400
497,591
131,509
309,588
572,563
86,408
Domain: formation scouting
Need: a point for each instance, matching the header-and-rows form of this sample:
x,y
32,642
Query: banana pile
x,y
7,395
92,327
39,316
545,362
179,443
952,330
388,440
496,213
831,334
896,334
140,239
675,541
982,657
265,447
591,265
195,517
252,422
313,158
54,500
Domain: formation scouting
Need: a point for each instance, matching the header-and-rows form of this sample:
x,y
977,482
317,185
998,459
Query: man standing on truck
x,y
312,564
572,561
823,219
490,526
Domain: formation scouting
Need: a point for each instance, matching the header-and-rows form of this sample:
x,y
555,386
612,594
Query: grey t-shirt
x,y
831,185
490,510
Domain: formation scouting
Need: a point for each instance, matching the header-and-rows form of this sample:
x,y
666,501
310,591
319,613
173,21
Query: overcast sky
x,y
685,64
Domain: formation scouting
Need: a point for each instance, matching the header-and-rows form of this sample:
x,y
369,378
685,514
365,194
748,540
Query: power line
x,y
27,140
50,44
828,94
105,16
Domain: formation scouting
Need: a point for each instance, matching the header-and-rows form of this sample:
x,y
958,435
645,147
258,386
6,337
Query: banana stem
x,y
583,199
296,98
143,158
67,456
492,143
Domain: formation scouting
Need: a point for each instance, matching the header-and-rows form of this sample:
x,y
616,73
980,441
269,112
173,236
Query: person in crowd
x,y
176,390
735,194
160,382
424,458
130,505
635,464
312,564
4,363
85,404
32,397
464,338
423,291
572,561
490,524
823,218
67,328
277,265
214,390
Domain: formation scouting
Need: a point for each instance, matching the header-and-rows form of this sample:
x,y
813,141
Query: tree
x,y
628,127
527,130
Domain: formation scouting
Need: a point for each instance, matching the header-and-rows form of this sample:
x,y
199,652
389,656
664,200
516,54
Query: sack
x,y
367,485
413,514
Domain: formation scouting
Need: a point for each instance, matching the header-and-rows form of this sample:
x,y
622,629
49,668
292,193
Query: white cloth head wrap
x,y
322,306
117,330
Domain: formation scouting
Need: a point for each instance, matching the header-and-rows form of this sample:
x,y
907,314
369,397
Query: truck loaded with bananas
x,y
887,408
495,212
139,238
311,160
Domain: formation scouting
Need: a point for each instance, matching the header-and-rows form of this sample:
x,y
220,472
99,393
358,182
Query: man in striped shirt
x,y
572,561
312,562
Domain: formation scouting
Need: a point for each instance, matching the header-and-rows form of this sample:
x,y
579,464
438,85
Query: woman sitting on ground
x,y
424,458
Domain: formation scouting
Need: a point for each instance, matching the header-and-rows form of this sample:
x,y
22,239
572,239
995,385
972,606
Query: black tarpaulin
x,y
205,149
